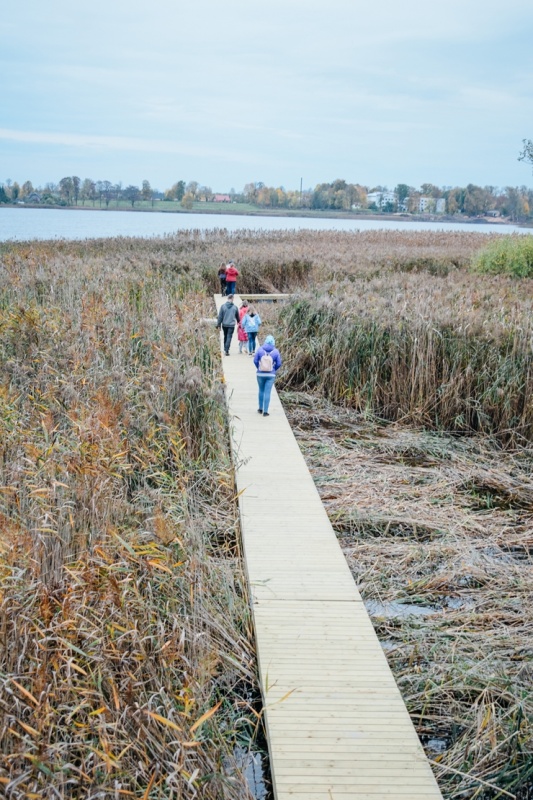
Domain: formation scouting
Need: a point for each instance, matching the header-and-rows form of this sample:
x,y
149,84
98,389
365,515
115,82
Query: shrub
x,y
512,255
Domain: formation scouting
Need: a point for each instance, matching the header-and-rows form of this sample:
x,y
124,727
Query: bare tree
x,y
146,191
66,189
107,191
132,193
527,152
117,190
76,182
192,188
88,190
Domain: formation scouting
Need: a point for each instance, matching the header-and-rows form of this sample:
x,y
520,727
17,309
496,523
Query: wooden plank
x,y
272,296
336,724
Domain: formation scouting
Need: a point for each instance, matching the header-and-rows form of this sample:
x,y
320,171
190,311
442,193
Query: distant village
x,y
514,203
421,204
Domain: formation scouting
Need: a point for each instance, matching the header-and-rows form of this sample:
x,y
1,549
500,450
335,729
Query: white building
x,y
381,198
430,205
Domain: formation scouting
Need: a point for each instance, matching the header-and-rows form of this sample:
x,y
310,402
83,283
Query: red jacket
x,y
231,274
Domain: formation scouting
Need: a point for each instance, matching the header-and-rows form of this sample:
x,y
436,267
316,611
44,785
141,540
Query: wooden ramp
x,y
336,723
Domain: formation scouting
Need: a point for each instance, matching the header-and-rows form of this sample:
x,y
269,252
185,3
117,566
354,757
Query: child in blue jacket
x,y
251,322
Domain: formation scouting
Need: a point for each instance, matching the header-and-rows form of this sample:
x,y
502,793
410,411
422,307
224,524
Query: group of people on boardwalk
x,y
227,275
267,359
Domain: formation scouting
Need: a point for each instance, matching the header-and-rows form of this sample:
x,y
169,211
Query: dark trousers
x,y
228,334
222,286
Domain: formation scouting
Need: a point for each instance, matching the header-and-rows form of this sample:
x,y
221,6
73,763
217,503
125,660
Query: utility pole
x,y
301,192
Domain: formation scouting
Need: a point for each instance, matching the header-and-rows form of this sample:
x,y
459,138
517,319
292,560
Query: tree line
x,y
72,191
513,202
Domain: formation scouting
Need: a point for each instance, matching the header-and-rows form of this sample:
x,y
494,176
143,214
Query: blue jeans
x,y
265,383
252,336
230,287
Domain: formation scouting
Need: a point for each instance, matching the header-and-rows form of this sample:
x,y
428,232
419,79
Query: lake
x,y
21,224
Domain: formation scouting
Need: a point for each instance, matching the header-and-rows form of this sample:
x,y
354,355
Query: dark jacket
x,y
228,315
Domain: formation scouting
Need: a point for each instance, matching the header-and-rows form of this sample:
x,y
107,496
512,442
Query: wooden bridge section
x,y
336,723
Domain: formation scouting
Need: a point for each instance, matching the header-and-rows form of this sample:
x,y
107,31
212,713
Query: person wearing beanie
x,y
267,361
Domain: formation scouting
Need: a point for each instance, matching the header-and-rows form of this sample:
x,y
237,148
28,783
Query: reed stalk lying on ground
x,y
438,534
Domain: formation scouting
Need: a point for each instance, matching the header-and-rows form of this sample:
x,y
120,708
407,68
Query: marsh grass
x,y
407,335
127,665
414,534
454,355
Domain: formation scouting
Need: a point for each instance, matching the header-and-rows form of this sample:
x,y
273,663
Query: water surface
x,y
21,224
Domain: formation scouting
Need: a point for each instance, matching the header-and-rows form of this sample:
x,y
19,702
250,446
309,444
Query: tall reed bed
x,y
281,260
127,664
453,355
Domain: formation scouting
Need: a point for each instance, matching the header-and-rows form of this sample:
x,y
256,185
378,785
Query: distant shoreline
x,y
288,213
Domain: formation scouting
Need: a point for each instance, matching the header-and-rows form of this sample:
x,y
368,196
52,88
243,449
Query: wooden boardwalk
x,y
336,723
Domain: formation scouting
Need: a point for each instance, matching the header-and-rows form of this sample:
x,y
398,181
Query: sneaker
x,y
259,410
266,414
226,353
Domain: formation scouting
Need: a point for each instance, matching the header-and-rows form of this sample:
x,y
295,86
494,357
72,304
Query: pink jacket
x,y
242,336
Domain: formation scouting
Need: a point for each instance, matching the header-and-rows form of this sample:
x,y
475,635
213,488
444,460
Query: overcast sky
x,y
231,91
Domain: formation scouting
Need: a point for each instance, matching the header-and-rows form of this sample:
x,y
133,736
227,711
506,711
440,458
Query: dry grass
x,y
438,524
450,352
444,526
127,666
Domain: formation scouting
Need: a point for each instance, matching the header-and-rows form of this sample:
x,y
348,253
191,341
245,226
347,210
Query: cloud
x,y
278,88
121,143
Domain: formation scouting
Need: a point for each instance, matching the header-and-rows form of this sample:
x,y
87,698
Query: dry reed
x,y
127,665
437,532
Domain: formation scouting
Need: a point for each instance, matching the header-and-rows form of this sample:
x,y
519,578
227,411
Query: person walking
x,y
228,317
267,361
232,274
222,278
251,323
242,336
